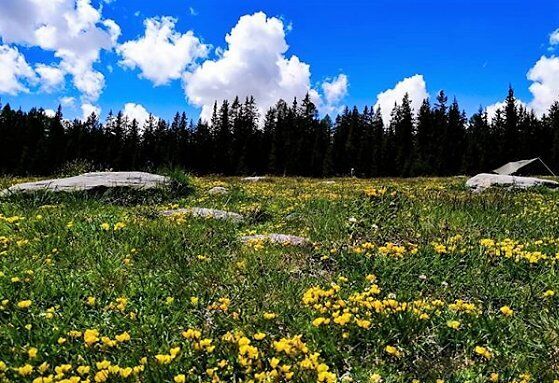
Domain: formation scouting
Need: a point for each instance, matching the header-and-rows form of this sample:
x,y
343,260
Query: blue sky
x,y
473,49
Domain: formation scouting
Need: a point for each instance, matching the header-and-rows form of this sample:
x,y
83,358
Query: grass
x,y
406,279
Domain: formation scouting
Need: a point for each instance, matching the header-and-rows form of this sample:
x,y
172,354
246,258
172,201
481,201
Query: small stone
x,y
218,190
281,239
205,213
254,179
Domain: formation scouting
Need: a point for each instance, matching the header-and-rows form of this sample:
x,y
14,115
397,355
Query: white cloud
x,y
491,110
544,76
254,64
50,113
50,77
192,11
87,109
67,101
554,37
14,70
545,83
334,91
414,86
73,29
137,112
162,54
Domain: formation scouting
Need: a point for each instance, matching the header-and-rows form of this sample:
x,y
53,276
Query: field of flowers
x,y
405,281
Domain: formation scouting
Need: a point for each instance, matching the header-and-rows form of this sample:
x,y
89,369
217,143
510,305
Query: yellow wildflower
x,y
124,337
453,324
25,370
391,350
101,376
83,370
32,352
90,336
482,351
506,311
24,304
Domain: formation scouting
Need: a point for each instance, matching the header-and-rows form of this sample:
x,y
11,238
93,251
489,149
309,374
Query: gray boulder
x,y
89,181
483,181
202,212
281,239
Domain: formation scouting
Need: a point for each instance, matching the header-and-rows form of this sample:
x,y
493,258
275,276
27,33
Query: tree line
x,y
290,139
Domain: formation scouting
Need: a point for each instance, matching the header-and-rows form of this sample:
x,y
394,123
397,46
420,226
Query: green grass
x,y
181,273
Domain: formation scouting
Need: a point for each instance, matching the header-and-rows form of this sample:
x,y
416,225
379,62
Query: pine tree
x,y
552,120
456,129
132,146
440,125
426,149
403,127
510,128
222,140
55,141
477,144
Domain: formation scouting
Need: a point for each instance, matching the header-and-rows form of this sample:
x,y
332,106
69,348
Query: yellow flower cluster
x,y
364,308
375,192
101,371
389,249
449,246
542,250
259,358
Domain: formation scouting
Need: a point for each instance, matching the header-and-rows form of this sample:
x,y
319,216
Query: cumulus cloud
x,y
87,109
545,83
50,77
554,37
491,110
136,112
67,101
544,76
14,71
414,86
73,29
253,64
336,89
50,112
162,54
333,91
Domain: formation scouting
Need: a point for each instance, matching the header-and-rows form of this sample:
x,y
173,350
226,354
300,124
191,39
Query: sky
x,y
166,56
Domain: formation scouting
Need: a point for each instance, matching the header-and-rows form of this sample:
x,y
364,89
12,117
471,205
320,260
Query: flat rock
x,y
205,213
218,190
483,181
254,179
282,239
89,181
